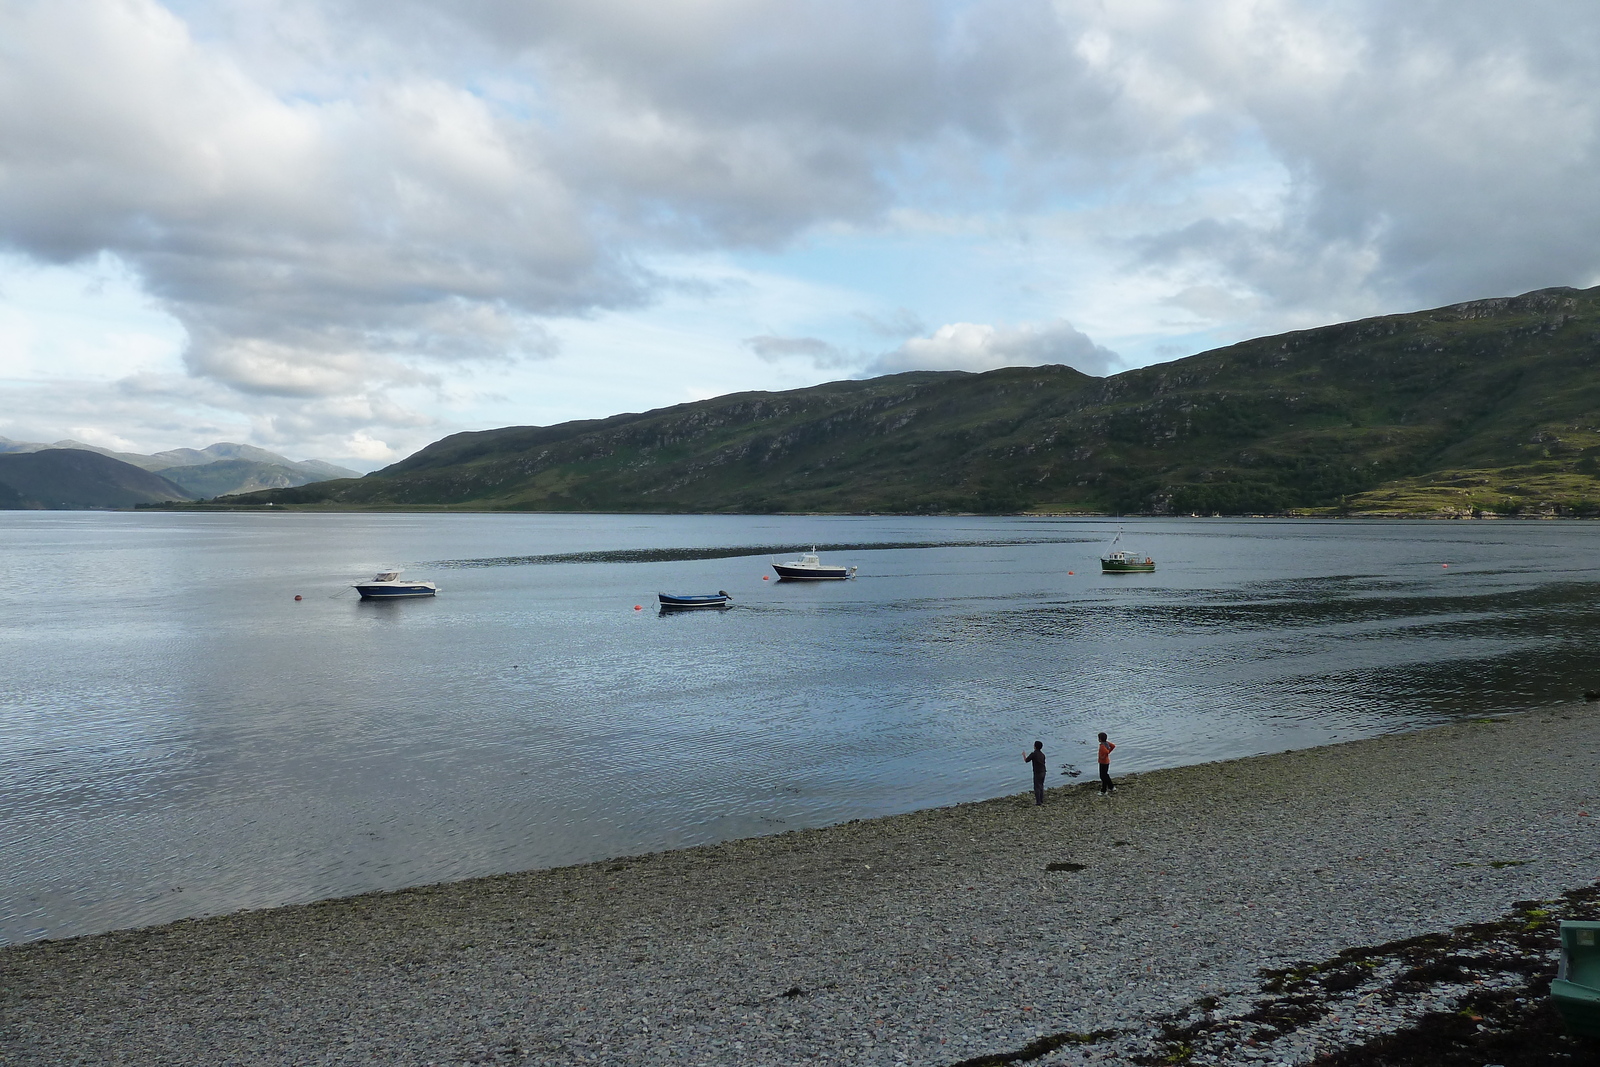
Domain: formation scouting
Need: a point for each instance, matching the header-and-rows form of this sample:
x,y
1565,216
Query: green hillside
x,y
1493,404
72,479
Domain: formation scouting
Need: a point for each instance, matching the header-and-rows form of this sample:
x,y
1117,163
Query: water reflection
x,y
179,736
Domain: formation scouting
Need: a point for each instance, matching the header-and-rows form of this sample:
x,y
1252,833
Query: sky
x,y
343,229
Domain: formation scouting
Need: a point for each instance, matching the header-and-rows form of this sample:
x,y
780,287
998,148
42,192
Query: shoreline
x,y
928,937
1298,514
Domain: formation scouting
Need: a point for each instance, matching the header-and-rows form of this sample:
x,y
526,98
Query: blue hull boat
x,y
396,592
675,601
387,585
809,568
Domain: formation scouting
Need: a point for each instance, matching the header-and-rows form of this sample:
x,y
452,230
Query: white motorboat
x,y
810,568
388,585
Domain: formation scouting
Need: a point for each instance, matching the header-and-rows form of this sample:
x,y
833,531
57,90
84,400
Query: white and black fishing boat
x,y
676,601
810,568
388,585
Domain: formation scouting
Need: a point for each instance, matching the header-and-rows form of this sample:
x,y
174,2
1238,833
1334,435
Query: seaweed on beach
x,y
1512,1028
1038,1047
1493,976
1484,987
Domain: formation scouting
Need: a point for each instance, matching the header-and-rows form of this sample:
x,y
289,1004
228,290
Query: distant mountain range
x,y
70,474
1490,407
73,479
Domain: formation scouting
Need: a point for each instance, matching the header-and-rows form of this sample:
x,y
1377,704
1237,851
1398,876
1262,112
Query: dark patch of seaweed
x,y
1515,1025
1042,1046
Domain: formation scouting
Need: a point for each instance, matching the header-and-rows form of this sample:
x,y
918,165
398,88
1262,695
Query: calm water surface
x,y
179,736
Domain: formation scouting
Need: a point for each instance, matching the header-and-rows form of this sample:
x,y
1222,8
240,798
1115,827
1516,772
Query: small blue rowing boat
x,y
719,599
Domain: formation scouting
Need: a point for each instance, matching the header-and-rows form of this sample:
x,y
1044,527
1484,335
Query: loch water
x,y
179,736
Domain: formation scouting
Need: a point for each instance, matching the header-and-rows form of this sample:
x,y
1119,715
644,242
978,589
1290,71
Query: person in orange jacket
x,y
1106,784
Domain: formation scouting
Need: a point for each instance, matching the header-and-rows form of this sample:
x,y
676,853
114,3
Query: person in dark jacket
x,y
1036,757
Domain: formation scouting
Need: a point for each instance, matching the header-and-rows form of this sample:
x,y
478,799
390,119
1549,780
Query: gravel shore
x,y
928,938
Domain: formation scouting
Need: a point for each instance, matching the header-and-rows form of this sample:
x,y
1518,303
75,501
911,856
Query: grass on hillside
x,y
1541,489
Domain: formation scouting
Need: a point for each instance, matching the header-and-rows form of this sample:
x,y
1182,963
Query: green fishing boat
x,y
1119,561
1126,563
1576,988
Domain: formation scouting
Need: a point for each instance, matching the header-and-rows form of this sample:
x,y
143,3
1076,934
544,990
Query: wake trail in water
x,y
672,555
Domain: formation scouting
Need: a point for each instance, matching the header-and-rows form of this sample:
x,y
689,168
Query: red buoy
x,y
764,578
1071,573
297,596
638,607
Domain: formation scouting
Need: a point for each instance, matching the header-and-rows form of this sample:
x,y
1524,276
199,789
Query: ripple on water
x,y
181,737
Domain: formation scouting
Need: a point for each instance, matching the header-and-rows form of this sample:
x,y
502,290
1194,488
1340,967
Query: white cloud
x,y
305,246
976,347
1436,152
343,210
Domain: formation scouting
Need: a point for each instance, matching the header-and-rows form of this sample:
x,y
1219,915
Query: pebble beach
x,y
990,932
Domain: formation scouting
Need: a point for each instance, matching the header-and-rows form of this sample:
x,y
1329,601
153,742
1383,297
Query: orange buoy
x,y
764,578
297,596
1444,564
638,607
1071,573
